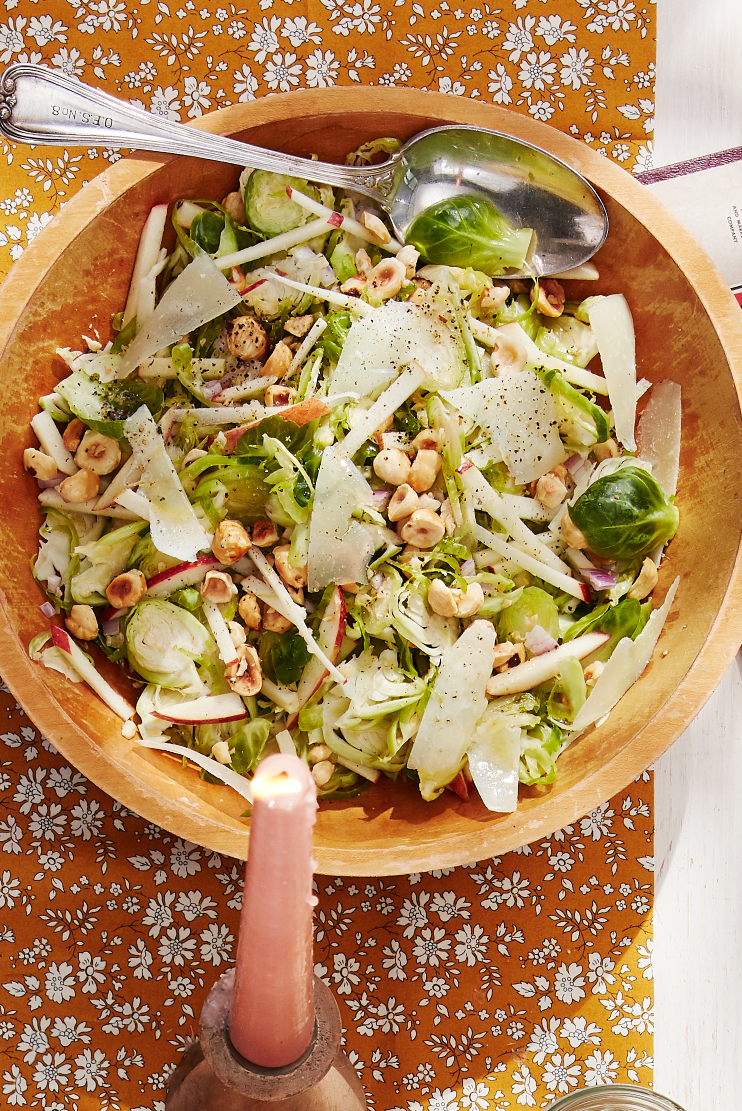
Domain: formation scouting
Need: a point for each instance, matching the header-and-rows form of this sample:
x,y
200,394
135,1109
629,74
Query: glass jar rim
x,y
615,1097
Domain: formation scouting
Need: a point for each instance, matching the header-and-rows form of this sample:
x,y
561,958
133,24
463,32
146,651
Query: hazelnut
x,y
98,453
403,502
245,677
423,529
323,772
73,433
298,325
38,464
264,534
291,575
275,622
80,487
550,297
127,589
392,465
82,622
217,587
386,279
249,610
376,227
278,361
424,470
230,542
246,338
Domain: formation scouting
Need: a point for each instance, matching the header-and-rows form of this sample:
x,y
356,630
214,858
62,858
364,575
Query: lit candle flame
x,y
271,786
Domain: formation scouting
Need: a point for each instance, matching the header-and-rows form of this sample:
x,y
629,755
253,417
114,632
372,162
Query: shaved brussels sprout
x,y
625,514
469,231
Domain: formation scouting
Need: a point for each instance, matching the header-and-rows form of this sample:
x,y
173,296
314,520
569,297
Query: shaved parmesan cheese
x,y
197,295
534,566
174,527
494,755
626,664
659,434
227,776
519,415
456,703
610,320
391,336
339,547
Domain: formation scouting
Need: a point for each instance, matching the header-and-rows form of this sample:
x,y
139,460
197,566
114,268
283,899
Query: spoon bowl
x,y
530,187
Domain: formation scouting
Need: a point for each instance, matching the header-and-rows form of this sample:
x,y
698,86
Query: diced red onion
x,y
211,389
327,277
48,483
48,609
576,466
382,498
598,579
468,567
111,614
304,251
377,581
539,641
111,628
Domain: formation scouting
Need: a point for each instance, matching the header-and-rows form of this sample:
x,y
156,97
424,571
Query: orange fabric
x,y
499,985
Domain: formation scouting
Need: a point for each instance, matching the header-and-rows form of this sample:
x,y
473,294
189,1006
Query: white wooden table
x,y
698,783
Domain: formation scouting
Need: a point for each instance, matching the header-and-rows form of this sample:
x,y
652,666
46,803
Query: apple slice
x,y
182,574
210,708
329,637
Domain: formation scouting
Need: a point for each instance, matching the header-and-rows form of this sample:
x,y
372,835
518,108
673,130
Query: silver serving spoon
x,y
531,188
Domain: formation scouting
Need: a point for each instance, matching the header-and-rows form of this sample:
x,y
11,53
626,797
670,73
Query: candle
x,y
271,1019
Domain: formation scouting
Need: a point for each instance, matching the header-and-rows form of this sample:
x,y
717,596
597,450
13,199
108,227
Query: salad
x,y
331,493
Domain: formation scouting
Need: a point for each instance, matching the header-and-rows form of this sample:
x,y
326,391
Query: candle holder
x,y
213,1076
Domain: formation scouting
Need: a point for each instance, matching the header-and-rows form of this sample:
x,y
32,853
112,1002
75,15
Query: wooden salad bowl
x,y
689,328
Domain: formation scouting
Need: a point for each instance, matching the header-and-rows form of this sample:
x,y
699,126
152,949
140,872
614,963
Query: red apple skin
x,y
181,715
459,787
330,638
188,573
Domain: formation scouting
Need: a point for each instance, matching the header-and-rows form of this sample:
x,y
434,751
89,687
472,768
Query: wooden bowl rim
x,y
108,770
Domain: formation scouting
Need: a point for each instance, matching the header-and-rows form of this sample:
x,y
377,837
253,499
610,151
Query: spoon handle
x,y
41,106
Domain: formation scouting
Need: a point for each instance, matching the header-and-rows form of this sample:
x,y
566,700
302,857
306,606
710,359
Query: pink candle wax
x,y
271,1019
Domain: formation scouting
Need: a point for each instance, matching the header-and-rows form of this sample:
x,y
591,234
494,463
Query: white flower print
x,y
245,84
616,14
68,1030
446,85
10,890
185,857
600,1068
544,1040
30,790
448,905
553,29
414,915
599,973
345,974
569,984
87,819
524,1086
34,1040
646,959
177,945
193,904
432,946
443,1101
500,83
165,103
644,159
90,972
578,1031
48,821
11,835
264,39
436,987
577,68
14,1086
394,960
109,16
59,982
472,944
92,1069
282,72
322,69
11,38
64,780
140,960
474,1096
519,38
217,943
299,31
537,71
561,1073
44,30
159,914
196,94
51,1071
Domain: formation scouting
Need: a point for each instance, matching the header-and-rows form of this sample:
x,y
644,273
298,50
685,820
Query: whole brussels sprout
x,y
625,514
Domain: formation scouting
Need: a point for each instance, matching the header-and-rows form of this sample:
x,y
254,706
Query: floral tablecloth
x,y
501,984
